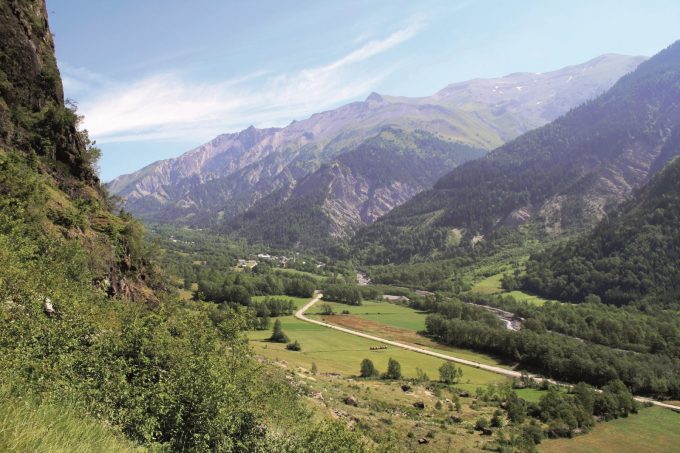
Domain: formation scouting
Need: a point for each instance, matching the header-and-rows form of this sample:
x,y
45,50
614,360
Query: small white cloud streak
x,y
166,107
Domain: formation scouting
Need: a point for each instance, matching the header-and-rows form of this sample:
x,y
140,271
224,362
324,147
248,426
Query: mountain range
x,y
564,176
352,190
238,178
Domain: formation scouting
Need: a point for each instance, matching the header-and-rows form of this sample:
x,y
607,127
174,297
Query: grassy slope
x,y
652,430
25,426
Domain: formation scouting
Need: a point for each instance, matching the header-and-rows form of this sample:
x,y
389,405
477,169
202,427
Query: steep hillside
x,y
632,255
352,190
48,166
229,174
92,347
563,176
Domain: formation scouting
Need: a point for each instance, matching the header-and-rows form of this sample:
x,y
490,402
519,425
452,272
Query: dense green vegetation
x,y
91,330
565,358
346,294
630,258
656,332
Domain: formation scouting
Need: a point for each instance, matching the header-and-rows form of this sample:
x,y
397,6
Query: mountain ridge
x,y
630,257
227,175
564,175
353,190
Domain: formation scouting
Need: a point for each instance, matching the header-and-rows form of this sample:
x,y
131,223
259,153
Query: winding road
x,y
300,314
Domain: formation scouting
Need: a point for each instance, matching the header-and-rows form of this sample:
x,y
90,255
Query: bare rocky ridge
x,y
227,175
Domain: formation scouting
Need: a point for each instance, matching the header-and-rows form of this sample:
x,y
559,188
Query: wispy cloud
x,y
169,107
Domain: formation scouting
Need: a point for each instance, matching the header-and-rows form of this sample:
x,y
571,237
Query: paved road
x,y
300,314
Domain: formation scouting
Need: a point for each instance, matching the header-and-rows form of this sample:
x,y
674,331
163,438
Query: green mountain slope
x,y
353,190
632,256
561,177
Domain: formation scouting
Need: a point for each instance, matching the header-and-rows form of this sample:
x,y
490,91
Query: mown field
x,y
492,285
393,322
653,430
382,312
342,353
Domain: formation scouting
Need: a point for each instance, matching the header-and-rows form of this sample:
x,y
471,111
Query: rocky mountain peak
x,y
374,97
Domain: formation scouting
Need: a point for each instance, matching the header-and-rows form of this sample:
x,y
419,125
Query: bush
x,y
481,424
449,373
327,310
294,346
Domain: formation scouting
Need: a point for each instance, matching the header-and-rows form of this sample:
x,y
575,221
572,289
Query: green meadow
x,y
492,285
396,317
379,311
342,353
653,430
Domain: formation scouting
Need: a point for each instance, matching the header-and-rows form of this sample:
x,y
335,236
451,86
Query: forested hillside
x,y
631,257
91,331
562,177
353,190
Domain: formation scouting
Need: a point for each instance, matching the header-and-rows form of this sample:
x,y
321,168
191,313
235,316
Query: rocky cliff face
x,y
229,174
33,117
353,190
49,190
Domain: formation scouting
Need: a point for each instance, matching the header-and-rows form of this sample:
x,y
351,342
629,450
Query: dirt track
x,y
300,314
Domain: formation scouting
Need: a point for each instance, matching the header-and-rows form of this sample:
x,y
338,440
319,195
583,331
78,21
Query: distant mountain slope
x,y
632,255
352,190
562,176
229,174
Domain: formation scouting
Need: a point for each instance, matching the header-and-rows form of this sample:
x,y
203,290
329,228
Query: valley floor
x,y
653,430
385,413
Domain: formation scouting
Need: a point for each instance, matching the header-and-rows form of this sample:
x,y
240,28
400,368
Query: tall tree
x,y
393,370
277,333
368,369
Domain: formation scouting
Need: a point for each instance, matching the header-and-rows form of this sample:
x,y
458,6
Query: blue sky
x,y
155,78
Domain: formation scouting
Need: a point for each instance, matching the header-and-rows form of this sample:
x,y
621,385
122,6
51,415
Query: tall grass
x,y
26,426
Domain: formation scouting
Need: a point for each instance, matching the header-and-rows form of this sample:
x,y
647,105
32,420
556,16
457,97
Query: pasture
x,y
342,353
653,430
492,285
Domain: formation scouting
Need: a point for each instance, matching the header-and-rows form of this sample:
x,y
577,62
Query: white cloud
x,y
168,107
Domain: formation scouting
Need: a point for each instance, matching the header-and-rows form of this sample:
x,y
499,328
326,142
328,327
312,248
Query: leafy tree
x,y
449,373
393,370
516,408
368,369
327,310
294,346
277,333
346,294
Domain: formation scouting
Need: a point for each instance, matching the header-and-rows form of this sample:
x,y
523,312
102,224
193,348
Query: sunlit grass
x,y
26,426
